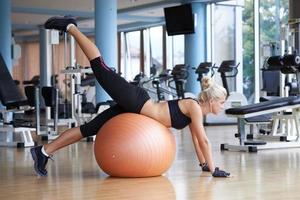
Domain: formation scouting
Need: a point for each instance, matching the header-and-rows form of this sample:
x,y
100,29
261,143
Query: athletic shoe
x,y
60,23
40,160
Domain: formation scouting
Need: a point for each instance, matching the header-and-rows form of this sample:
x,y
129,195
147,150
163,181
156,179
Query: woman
x,y
129,98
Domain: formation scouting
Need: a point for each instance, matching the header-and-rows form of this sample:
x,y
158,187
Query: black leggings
x,y
129,98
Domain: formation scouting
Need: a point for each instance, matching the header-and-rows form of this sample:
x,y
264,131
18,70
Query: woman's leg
x,y
41,154
88,47
128,96
66,138
86,130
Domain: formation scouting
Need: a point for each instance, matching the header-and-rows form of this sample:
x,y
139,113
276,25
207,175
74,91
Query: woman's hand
x,y
220,173
204,167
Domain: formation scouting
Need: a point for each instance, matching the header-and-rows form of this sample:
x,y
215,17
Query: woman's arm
x,y
203,145
197,147
197,131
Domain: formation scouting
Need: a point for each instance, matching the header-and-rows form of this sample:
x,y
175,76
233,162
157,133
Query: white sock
x,y
69,26
44,152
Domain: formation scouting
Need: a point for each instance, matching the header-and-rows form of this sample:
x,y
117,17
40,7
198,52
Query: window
x,y
130,52
175,50
156,48
248,50
273,18
224,39
132,55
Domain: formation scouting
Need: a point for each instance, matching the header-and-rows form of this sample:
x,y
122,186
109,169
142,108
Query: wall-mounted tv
x,y
179,20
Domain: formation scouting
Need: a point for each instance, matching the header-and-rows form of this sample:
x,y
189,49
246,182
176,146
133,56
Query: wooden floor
x,y
74,174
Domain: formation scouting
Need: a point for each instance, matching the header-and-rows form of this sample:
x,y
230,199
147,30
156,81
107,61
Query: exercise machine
x,y
204,69
179,76
170,84
285,125
14,101
258,109
228,69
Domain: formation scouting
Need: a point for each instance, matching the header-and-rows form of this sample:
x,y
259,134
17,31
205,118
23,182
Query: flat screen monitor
x,y
179,20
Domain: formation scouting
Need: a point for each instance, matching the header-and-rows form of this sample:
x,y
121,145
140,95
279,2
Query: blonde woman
x,y
129,98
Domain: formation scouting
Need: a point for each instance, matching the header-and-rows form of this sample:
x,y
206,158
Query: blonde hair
x,y
211,90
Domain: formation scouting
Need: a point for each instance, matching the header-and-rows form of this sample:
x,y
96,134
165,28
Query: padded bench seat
x,y
268,105
258,113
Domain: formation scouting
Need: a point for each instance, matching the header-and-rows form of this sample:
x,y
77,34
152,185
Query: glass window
x,y
175,50
132,61
156,48
146,41
122,53
223,36
153,52
248,50
273,17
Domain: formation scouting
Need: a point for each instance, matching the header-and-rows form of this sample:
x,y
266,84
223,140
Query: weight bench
x,y
245,113
13,100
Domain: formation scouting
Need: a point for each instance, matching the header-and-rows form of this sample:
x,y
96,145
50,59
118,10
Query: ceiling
x,y
28,15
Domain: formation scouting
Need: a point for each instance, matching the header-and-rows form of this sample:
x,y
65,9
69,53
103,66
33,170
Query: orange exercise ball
x,y
133,145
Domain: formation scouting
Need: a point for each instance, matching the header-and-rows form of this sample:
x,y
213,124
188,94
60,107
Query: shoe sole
x,y
59,19
34,157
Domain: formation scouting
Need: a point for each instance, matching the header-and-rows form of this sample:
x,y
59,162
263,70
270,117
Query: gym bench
x,y
248,112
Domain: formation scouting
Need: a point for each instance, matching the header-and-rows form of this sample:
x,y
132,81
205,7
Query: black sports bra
x,y
178,119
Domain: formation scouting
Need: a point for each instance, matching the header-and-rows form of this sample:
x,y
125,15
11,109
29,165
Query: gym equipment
x,y
180,74
227,69
147,83
35,80
157,83
49,38
170,84
133,145
234,99
203,69
288,123
81,78
10,94
64,109
11,97
271,82
50,96
271,106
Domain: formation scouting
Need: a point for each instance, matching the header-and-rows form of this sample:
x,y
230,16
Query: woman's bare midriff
x,y
158,111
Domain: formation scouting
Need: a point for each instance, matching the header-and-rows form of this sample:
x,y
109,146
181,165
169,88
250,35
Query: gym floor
x,y
74,174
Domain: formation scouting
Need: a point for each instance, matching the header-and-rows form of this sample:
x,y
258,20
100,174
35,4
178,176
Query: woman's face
x,y
217,105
